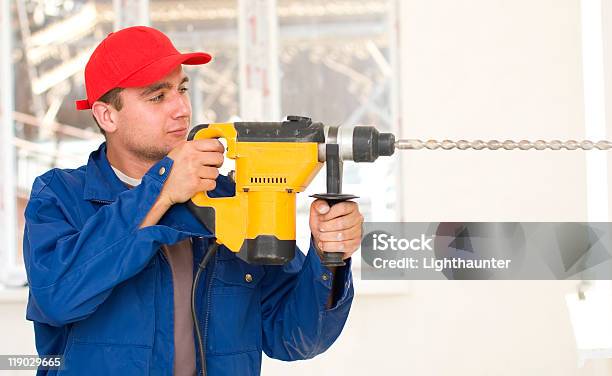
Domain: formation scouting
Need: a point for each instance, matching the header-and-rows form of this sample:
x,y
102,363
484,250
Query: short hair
x,y
113,98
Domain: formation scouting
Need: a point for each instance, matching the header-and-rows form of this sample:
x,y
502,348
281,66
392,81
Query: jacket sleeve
x,y
71,271
296,321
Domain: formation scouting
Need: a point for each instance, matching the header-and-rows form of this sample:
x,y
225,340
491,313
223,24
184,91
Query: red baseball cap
x,y
133,57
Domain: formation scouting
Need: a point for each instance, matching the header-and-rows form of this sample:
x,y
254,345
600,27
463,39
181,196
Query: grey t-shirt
x,y
180,257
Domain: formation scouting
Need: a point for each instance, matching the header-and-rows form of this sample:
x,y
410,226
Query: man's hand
x,y
194,170
336,229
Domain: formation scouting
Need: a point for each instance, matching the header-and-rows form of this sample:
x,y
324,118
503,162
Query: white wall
x,y
493,69
16,334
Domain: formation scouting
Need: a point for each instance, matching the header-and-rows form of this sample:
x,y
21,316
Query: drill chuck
x,y
359,143
369,144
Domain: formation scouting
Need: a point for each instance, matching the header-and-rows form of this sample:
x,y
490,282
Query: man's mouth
x,y
178,131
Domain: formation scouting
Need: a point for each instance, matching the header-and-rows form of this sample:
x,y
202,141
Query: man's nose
x,y
181,106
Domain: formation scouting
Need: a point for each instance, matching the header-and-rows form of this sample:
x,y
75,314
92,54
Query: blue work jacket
x,y
101,290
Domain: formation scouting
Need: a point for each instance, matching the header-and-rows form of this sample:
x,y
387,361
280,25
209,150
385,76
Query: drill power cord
x,y
212,249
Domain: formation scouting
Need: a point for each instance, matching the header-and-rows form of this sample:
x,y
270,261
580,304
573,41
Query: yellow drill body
x,y
268,176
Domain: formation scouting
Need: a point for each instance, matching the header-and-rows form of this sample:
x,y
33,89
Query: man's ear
x,y
105,115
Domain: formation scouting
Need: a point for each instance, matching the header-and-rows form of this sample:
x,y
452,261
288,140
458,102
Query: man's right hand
x,y
194,170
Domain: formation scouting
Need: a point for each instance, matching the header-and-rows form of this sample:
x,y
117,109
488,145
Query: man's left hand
x,y
336,229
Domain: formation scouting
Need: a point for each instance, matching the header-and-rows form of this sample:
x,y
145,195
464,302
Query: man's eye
x,y
157,98
183,89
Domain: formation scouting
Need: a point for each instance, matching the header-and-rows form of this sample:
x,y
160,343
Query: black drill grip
x,y
333,258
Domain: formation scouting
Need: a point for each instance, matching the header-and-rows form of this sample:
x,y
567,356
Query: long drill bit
x,y
413,144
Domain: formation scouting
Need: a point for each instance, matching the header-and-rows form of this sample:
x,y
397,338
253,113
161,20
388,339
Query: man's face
x,y
156,118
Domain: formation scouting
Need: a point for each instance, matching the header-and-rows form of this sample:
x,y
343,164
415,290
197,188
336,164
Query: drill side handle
x,y
333,258
333,195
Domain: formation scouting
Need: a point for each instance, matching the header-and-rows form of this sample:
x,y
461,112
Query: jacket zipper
x,y
165,260
208,299
163,255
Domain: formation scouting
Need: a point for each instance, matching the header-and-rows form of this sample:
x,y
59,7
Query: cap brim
x,y
161,67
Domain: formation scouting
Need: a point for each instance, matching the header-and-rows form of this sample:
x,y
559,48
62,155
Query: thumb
x,y
320,206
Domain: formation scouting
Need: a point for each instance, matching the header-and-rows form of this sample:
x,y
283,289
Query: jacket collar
x,y
101,183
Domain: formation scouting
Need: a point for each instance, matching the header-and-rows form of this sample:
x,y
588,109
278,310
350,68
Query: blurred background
x,y
440,69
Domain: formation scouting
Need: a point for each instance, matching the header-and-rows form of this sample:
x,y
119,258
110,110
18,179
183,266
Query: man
x,y
111,250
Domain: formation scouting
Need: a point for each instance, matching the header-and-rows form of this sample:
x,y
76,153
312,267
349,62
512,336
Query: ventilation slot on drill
x,y
268,180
